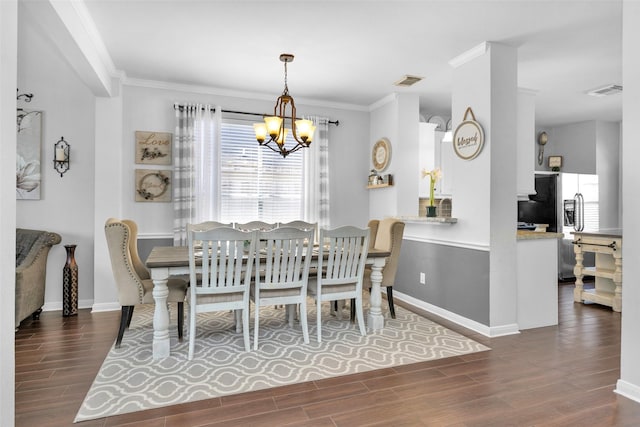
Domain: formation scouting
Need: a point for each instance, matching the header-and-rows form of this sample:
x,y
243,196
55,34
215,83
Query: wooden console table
x,y
607,246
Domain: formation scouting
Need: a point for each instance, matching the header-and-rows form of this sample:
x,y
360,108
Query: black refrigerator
x,y
541,208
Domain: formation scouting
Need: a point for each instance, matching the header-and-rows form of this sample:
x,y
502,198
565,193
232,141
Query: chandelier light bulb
x,y
261,131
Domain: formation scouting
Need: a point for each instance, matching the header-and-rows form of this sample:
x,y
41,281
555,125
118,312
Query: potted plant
x,y
434,175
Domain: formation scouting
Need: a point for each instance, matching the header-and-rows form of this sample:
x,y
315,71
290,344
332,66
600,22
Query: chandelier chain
x,y
286,86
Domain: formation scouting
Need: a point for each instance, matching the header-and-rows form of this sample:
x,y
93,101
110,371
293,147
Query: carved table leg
x,y
577,271
375,319
161,344
617,280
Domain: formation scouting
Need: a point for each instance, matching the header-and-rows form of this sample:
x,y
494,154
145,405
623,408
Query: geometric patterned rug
x,y
130,380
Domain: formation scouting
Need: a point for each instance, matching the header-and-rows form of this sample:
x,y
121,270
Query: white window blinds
x,y
255,182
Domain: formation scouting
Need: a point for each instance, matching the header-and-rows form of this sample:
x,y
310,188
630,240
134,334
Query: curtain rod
x,y
181,107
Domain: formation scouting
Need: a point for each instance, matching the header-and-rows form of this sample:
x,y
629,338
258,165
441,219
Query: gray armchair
x,y
32,251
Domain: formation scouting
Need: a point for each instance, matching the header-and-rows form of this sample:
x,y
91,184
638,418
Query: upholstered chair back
x,y
131,287
138,265
387,235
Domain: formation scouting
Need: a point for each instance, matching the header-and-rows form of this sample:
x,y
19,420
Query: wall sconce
x,y
61,152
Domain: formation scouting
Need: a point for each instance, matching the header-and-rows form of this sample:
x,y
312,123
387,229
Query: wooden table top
x,y
178,256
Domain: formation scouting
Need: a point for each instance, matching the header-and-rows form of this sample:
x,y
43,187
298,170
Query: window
x,y
255,182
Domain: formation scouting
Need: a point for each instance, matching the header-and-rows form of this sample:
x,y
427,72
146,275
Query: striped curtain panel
x,y
195,172
317,175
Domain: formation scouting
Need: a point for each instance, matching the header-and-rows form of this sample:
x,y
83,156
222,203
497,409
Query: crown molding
x,y
527,91
210,90
382,101
92,33
469,55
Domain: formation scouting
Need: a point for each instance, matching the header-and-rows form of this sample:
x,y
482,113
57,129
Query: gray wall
x,y
146,244
457,279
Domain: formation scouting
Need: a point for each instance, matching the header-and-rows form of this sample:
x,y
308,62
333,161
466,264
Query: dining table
x,y
166,261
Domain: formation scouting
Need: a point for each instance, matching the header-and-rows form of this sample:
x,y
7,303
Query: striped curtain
x,y
317,175
195,170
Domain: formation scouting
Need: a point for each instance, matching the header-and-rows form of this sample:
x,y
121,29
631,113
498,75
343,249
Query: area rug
x,y
130,380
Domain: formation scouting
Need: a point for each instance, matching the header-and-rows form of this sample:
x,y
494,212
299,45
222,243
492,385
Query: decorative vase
x,y
70,283
431,211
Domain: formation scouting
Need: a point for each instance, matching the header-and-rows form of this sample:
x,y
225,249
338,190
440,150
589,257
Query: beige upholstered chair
x,y
225,282
340,276
282,274
386,235
132,278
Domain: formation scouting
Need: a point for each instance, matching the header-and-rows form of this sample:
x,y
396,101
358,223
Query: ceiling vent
x,y
407,81
605,90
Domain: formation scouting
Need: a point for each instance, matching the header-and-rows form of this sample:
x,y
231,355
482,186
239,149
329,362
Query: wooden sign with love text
x,y
153,148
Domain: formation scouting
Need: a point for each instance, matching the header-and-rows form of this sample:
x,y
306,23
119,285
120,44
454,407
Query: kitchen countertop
x,y
428,220
533,235
605,232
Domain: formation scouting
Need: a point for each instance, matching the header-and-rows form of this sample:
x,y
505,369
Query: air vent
x,y
605,90
407,81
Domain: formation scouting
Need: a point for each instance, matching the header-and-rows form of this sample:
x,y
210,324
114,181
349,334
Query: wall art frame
x,y
28,153
153,148
153,185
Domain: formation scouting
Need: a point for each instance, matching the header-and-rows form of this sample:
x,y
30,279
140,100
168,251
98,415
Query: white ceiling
x,y
350,52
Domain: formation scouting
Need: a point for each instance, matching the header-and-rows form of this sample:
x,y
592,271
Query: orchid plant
x,y
434,175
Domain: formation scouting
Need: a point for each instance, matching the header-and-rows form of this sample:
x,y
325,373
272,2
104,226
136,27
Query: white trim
x,y
469,55
485,330
464,245
106,306
208,90
89,25
379,103
528,91
155,236
57,305
628,390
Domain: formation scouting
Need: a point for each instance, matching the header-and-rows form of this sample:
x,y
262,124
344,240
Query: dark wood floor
x,y
557,376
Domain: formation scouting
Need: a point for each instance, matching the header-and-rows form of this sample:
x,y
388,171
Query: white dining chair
x,y
302,225
282,273
256,226
341,274
224,278
211,224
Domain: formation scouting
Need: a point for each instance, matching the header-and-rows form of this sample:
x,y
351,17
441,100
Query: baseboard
x,y
628,390
488,331
106,306
57,305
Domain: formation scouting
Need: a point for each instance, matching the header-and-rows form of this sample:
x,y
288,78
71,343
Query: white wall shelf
x,y
379,186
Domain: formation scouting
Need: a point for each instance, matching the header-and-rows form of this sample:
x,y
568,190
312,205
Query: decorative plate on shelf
x,y
381,154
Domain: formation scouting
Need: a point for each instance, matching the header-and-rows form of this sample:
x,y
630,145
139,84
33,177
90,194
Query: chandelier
x,y
272,133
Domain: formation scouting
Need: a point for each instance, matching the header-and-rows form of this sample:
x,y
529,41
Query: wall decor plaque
x,y
468,139
153,148
381,154
153,185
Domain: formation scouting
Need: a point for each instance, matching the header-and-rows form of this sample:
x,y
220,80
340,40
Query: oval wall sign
x,y
468,138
